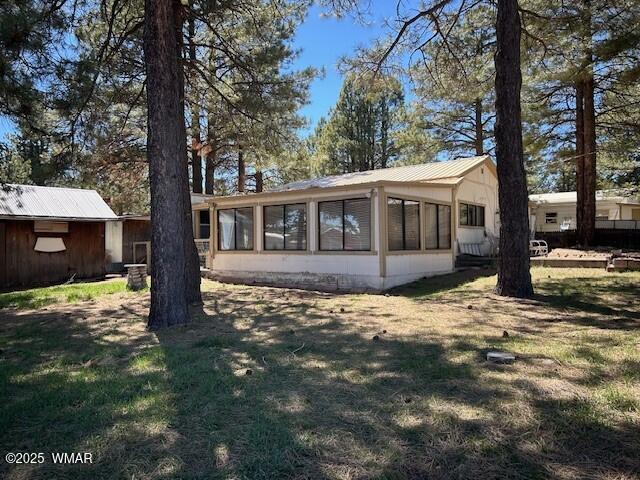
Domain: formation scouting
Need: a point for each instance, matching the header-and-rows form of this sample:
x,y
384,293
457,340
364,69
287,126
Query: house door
x,y
635,214
3,258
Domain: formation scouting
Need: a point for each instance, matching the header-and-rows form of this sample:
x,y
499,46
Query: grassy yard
x,y
271,383
72,293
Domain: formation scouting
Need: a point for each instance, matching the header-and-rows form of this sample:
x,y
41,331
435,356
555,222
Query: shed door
x,y
3,259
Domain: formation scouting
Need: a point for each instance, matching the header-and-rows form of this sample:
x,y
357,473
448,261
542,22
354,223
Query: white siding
x,y
408,268
479,187
567,211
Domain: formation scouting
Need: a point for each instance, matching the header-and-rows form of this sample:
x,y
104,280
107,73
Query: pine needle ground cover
x,y
273,383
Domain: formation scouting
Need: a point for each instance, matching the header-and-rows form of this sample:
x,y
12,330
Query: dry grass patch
x,y
275,383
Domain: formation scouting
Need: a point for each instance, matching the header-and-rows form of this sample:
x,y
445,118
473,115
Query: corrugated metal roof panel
x,y
409,173
53,202
572,197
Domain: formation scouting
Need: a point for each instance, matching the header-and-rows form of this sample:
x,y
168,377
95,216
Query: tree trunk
x,y
192,284
196,160
478,125
167,154
259,181
241,170
514,278
210,169
586,203
589,210
580,191
210,165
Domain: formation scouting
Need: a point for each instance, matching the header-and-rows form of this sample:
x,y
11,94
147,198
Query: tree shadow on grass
x,y
431,286
322,400
591,295
326,401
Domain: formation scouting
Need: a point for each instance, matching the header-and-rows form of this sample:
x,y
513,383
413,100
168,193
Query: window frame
x,y
318,224
404,222
235,227
554,216
438,247
284,227
479,214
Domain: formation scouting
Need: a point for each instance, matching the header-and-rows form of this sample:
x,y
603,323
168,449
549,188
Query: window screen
x,y
464,214
235,229
394,227
295,227
274,227
285,227
431,225
403,224
444,226
437,226
345,224
471,215
411,225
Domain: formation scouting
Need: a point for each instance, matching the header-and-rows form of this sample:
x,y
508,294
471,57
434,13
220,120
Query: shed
x,y
49,235
368,230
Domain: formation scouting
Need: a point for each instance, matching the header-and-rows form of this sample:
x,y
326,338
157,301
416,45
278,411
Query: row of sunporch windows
x,y
343,225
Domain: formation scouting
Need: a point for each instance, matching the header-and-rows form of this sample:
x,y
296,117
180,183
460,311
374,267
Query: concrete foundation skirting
x,y
569,262
325,282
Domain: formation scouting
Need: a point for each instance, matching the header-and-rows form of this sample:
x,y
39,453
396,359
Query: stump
x,y
136,276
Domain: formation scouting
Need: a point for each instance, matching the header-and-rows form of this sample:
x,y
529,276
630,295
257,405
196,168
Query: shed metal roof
x,y
410,173
31,201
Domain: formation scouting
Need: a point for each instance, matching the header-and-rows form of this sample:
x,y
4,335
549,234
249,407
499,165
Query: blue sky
x,y
323,41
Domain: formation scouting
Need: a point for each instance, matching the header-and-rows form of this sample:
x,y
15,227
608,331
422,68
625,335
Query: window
x,y
235,229
204,224
437,226
345,224
403,224
602,215
471,215
285,227
551,217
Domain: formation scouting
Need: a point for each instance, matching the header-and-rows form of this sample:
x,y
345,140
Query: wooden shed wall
x,y
84,255
134,231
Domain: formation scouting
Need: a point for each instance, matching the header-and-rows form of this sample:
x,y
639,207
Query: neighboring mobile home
x,y
360,231
49,235
555,212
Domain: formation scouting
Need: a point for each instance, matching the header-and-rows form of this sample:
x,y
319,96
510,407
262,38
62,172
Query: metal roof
x,y
572,197
410,173
31,201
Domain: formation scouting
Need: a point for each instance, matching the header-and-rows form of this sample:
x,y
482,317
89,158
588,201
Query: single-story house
x,y
49,235
555,212
369,230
